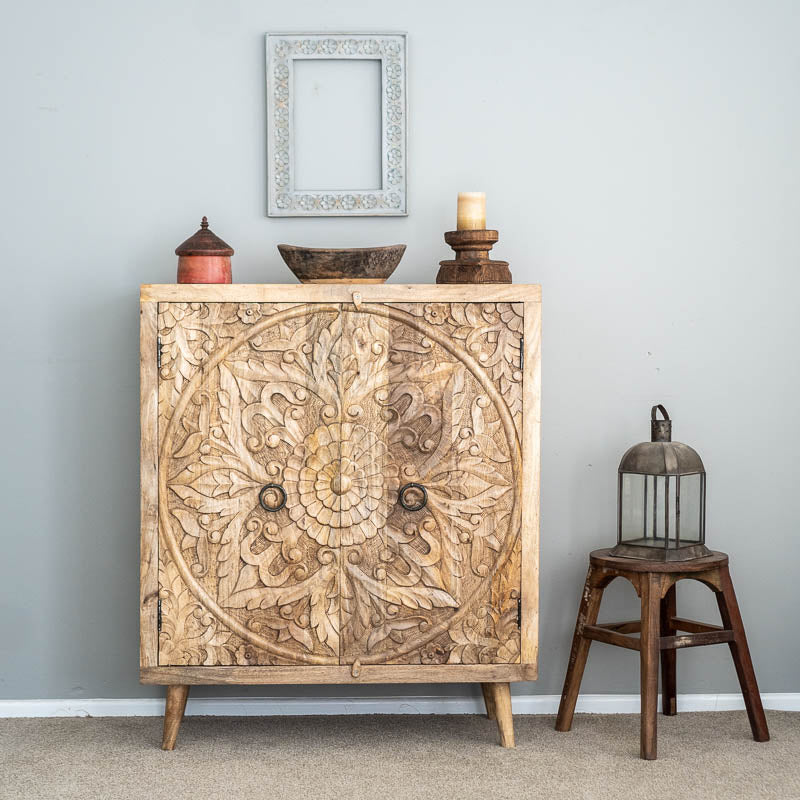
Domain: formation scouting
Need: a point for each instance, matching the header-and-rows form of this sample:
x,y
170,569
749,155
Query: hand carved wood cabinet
x,y
340,484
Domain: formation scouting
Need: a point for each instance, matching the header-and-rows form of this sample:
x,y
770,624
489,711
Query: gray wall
x,y
640,161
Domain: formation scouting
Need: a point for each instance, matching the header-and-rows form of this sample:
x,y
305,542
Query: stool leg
x,y
732,619
648,656
669,701
587,615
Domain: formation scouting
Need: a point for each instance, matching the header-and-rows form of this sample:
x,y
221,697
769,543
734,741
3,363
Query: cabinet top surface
x,y
337,293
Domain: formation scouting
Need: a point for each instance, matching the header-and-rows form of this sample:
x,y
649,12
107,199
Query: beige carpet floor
x,y
708,755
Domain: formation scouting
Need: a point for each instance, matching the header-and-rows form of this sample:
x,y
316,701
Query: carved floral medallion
x,y
338,484
339,407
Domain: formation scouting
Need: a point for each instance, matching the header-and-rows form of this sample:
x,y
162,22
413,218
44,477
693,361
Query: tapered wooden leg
x,y
587,615
669,701
173,714
648,658
732,619
488,700
501,696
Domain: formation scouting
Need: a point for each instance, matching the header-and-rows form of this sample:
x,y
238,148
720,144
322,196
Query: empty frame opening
x,y
337,124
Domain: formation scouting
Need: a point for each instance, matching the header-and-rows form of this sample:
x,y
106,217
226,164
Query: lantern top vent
x,y
661,456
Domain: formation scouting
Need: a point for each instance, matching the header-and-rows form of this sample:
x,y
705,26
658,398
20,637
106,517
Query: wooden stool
x,y
654,582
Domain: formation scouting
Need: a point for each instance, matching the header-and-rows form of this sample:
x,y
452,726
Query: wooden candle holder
x,y
472,263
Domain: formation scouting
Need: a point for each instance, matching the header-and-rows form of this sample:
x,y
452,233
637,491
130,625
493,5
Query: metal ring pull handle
x,y
272,487
413,507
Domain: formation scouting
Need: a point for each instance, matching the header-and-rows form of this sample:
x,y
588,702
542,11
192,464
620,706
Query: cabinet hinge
x,y
519,613
521,352
158,351
159,615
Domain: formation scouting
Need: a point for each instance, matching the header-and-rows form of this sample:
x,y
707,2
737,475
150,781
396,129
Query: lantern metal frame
x,y
662,458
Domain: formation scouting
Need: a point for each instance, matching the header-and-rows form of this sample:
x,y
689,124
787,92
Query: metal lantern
x,y
661,511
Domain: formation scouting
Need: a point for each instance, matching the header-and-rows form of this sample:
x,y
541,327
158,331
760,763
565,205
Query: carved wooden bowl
x,y
342,265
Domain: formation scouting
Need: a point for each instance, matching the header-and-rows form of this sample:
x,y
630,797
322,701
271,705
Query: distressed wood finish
x,y
650,592
669,691
326,577
342,265
587,615
472,263
655,583
732,620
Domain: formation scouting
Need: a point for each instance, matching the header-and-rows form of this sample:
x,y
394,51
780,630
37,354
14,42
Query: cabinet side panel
x,y
148,570
531,433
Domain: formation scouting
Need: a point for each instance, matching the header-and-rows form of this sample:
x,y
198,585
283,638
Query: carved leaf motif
x,y
324,612
452,558
189,635
392,628
248,578
470,505
230,411
190,445
428,371
412,597
355,607
188,522
454,401
267,597
326,362
288,629
228,563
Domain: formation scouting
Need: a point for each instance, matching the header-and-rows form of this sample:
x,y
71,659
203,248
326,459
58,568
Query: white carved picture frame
x,y
283,200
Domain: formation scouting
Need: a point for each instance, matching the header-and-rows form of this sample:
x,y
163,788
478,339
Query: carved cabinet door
x,y
439,388
286,432
248,567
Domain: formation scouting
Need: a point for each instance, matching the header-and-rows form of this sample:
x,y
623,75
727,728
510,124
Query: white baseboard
x,y
296,706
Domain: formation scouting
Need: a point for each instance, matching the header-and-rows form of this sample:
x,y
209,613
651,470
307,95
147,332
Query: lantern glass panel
x,y
660,513
691,507
648,511
661,510
632,507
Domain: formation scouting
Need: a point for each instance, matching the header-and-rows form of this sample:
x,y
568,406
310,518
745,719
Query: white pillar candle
x,y
471,213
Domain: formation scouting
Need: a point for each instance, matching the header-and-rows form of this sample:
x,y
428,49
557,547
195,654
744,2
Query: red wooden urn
x,y
204,258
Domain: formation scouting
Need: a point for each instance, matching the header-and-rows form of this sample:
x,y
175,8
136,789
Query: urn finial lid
x,y
204,243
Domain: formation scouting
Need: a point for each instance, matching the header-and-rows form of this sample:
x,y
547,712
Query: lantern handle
x,y
660,408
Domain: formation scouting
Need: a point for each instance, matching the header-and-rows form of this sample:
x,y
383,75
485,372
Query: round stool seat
x,y
601,558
